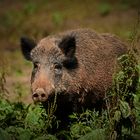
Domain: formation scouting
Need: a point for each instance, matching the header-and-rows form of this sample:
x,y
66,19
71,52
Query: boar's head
x,y
54,64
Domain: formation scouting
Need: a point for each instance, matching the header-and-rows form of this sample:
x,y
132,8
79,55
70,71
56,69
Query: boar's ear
x,y
68,46
26,46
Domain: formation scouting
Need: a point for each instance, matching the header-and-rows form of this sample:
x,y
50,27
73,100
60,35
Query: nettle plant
x,y
120,100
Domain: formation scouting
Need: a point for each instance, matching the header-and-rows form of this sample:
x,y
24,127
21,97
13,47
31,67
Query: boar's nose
x,y
39,95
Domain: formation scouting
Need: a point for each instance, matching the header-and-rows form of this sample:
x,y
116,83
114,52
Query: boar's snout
x,y
39,95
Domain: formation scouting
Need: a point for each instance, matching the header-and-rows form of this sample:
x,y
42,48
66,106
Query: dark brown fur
x,y
86,83
97,58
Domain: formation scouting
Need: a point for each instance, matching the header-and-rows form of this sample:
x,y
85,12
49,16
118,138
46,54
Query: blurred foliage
x,y
104,9
57,18
134,3
40,18
3,73
30,8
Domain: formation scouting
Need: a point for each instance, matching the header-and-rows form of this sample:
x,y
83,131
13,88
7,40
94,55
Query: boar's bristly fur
x,y
78,65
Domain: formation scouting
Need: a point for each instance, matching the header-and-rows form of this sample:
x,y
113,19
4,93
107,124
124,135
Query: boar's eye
x,y
36,65
35,69
57,68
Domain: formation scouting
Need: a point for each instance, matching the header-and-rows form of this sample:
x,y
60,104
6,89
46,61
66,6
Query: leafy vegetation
x,y
121,109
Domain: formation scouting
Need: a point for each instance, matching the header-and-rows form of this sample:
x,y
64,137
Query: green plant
x,y
121,109
57,18
29,8
104,8
20,121
3,89
88,124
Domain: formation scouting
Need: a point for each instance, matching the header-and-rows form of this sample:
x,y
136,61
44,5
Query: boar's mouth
x,y
60,97
53,96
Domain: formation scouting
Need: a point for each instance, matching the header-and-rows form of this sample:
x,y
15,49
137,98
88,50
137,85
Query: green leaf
x,y
24,135
75,130
117,116
34,117
98,134
79,129
4,135
73,116
125,109
46,137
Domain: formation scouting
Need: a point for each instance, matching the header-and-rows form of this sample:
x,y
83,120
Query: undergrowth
x,y
120,103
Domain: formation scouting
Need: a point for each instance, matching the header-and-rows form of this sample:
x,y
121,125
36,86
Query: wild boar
x,y
78,65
